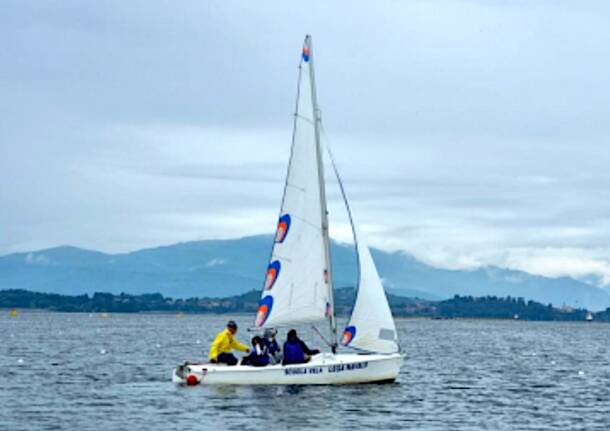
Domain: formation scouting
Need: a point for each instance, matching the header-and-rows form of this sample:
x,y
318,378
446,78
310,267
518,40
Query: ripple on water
x,y
76,371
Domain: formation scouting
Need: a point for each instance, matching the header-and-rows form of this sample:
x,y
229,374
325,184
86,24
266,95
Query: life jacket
x,y
259,357
272,346
293,352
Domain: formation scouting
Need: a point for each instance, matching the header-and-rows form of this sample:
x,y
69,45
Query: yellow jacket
x,y
223,343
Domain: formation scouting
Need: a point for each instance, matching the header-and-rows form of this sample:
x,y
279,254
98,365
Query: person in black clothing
x,y
296,351
259,357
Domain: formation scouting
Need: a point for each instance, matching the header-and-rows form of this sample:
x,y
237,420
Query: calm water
x,y
81,371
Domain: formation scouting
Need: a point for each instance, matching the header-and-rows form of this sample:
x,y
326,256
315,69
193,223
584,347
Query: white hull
x,y
323,369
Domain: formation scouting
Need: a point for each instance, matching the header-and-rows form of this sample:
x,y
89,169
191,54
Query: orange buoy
x,y
192,380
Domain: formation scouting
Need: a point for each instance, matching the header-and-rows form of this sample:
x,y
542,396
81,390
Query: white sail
x,y
298,286
296,289
371,326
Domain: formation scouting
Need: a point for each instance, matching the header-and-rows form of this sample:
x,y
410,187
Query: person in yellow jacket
x,y
220,352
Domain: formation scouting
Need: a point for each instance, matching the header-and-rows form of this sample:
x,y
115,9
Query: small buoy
x,y
13,313
581,373
20,361
191,380
103,351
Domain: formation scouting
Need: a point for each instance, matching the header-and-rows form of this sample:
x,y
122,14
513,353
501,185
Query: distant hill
x,y
222,268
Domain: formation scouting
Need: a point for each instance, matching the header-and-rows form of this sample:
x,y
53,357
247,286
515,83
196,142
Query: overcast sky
x,y
468,132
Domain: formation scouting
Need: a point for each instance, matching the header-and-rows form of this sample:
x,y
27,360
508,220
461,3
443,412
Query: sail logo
x,y
348,335
264,310
273,272
305,54
283,226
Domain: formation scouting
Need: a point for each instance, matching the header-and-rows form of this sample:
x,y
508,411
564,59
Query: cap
x,y
270,332
232,324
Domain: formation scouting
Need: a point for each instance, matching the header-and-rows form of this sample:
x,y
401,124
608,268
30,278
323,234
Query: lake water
x,y
85,372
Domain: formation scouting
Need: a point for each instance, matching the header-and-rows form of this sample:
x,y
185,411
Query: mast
x,y
328,275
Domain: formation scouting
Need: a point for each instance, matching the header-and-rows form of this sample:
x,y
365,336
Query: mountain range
x,y
221,268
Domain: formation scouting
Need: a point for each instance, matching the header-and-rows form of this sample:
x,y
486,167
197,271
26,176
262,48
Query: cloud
x,y
563,262
464,131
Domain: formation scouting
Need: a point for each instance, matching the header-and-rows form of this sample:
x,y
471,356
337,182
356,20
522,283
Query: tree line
x,y
456,307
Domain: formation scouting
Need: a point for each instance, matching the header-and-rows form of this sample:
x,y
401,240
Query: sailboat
x,y
298,286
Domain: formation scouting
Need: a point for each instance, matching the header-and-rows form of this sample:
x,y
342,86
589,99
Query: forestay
x,y
295,288
371,326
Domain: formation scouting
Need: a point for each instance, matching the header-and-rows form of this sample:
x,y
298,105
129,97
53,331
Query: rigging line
x,y
308,223
302,189
347,207
304,118
279,256
328,343
351,219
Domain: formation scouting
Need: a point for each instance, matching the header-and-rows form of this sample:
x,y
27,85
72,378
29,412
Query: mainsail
x,y
298,284
296,288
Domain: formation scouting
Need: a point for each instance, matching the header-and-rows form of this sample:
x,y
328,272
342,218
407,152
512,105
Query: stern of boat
x,y
188,374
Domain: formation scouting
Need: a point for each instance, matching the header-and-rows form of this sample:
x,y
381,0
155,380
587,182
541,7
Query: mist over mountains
x,y
220,268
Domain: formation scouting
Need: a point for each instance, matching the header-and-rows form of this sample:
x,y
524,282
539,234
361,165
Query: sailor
x,y
296,351
259,357
272,345
220,352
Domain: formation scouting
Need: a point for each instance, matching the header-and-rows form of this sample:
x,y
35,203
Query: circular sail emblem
x,y
264,309
306,54
348,335
273,271
283,226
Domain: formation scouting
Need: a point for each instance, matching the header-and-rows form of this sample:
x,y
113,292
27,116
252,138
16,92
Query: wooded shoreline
x,y
490,307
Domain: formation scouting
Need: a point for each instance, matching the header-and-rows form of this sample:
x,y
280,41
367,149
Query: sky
x,y
468,133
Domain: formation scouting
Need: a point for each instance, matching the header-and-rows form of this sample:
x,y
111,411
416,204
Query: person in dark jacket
x,y
259,357
296,351
272,345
